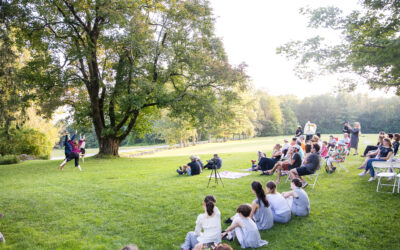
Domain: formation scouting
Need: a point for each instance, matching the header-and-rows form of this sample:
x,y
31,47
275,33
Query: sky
x,y
252,30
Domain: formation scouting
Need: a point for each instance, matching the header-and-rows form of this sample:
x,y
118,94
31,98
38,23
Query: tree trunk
x,y
108,146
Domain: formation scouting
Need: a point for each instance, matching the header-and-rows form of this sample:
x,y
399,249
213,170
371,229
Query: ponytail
x,y
210,204
258,189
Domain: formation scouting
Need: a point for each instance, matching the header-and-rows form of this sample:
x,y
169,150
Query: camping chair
x,y
341,160
314,177
380,167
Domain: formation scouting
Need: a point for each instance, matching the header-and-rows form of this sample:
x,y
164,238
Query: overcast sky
x,y
252,30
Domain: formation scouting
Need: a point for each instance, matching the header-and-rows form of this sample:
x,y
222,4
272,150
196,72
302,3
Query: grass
x,y
143,201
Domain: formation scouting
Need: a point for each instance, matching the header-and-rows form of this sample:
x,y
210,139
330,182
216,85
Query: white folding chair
x,y
380,167
398,183
314,177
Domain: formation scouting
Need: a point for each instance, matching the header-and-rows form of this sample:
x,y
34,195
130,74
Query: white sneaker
x,y
79,167
371,179
362,174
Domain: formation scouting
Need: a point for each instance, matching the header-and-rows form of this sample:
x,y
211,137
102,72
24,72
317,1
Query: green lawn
x,y
143,201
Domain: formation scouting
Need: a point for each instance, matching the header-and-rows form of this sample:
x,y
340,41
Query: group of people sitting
x,y
196,166
385,149
299,158
267,208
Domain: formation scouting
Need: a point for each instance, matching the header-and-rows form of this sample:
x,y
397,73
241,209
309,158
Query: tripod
x,y
214,171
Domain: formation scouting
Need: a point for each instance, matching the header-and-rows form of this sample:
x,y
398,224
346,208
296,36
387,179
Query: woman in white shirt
x,y
279,206
208,226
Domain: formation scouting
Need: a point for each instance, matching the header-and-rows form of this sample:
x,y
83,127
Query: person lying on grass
x,y
261,211
209,222
297,199
384,154
192,168
245,229
310,165
293,162
279,206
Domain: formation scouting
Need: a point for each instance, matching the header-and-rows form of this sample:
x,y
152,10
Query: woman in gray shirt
x,y
260,209
298,199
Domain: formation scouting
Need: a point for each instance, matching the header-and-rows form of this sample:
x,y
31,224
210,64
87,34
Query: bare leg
x,y
279,163
279,174
62,165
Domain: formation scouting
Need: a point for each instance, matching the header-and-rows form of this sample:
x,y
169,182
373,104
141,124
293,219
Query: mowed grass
x,y
143,201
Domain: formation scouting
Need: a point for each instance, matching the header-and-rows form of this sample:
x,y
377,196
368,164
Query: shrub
x,y
8,159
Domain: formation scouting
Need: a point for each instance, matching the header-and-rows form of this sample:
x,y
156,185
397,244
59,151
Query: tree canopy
x,y
369,46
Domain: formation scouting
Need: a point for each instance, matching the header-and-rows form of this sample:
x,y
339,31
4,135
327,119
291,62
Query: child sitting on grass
x,y
245,229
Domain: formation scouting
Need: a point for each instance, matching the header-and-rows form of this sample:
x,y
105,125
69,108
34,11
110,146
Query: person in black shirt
x,y
299,131
309,167
346,128
396,143
215,162
192,168
293,162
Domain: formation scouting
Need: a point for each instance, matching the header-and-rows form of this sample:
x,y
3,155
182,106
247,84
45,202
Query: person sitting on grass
x,y
220,246
214,163
293,162
297,199
245,229
130,247
2,239
192,168
384,154
199,161
260,209
209,222
76,145
268,163
309,166
337,156
279,206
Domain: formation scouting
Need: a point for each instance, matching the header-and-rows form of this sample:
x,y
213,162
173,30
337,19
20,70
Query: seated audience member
x,y
215,162
268,163
384,154
373,153
293,162
390,136
307,151
301,142
279,206
297,199
260,155
245,229
260,209
396,139
332,142
208,226
199,161
324,149
338,156
309,166
294,142
192,168
220,246
299,131
2,239
316,140
285,147
373,148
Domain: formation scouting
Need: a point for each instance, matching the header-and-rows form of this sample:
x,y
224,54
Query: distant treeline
x,y
270,115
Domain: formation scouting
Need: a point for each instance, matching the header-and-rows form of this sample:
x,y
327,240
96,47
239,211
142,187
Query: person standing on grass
x,y
299,131
208,226
73,155
346,128
297,199
355,134
384,154
67,146
279,206
245,229
83,150
192,168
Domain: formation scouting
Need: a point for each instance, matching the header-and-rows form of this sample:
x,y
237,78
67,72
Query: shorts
x,y
188,171
287,166
83,151
303,171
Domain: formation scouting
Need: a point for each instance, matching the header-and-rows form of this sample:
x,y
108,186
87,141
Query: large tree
x,y
115,61
370,45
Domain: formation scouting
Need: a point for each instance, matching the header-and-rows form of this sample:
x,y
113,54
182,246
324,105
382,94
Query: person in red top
x,y
76,149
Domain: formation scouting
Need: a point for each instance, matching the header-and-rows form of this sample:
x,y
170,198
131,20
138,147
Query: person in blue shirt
x,y
215,162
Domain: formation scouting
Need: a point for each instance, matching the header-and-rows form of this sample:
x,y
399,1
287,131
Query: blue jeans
x,y
369,166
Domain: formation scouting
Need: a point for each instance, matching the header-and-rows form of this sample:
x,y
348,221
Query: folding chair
x,y
314,177
398,183
341,161
380,167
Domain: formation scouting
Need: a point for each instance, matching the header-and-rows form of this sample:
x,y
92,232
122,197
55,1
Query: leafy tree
x,y
269,115
113,61
369,47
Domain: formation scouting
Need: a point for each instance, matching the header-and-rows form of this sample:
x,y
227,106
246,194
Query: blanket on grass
x,y
231,175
